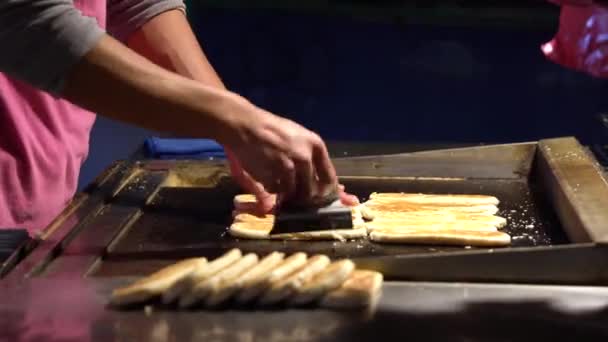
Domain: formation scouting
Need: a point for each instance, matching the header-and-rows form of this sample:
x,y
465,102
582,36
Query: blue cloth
x,y
165,148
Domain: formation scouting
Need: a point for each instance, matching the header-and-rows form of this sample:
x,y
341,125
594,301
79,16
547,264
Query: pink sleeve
x,y
581,42
573,2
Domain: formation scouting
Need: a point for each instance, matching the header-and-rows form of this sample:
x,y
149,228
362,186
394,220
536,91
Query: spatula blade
x,y
333,216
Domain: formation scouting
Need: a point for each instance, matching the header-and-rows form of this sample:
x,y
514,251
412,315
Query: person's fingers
x,y
324,168
288,178
249,184
305,177
348,199
265,202
264,199
236,170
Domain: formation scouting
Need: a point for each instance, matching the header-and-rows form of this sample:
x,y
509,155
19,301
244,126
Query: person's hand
x,y
346,198
270,154
265,200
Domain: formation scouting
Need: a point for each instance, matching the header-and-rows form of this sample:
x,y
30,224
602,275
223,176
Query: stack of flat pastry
x,y
434,219
293,280
248,224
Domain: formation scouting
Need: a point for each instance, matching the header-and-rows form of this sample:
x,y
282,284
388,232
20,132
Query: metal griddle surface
x,y
74,310
185,221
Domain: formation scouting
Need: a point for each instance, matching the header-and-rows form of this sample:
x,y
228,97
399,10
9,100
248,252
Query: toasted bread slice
x,y
441,237
264,269
448,218
288,286
395,206
280,271
249,278
394,225
367,213
361,289
288,266
208,287
247,202
251,230
261,229
433,199
156,283
201,273
327,280
247,217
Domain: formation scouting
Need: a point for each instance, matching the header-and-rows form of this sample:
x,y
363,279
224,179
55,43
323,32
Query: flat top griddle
x,y
138,216
174,226
76,311
142,215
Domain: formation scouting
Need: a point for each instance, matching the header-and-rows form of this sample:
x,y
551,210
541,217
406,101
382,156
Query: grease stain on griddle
x,y
531,221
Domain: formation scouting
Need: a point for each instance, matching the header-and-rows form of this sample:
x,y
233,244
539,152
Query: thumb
x,y
346,198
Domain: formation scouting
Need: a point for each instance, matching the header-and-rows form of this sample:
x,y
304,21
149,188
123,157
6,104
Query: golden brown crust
x,y
296,280
199,274
442,237
362,288
212,285
396,206
289,285
406,225
437,199
464,220
327,280
248,202
434,217
156,283
288,266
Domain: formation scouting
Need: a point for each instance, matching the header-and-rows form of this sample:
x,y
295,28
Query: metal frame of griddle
x,y
576,187
574,181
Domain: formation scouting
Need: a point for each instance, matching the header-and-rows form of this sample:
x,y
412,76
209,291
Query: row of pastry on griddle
x,y
248,280
396,218
435,219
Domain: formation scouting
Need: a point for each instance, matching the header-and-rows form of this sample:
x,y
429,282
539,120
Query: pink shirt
x,y
45,140
581,42
43,143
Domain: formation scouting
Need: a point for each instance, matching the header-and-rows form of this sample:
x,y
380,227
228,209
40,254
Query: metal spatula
x,y
327,213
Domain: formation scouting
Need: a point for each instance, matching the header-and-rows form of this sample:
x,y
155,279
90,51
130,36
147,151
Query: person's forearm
x,y
168,41
116,82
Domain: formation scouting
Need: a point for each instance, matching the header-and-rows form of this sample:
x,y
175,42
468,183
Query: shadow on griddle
x,y
156,305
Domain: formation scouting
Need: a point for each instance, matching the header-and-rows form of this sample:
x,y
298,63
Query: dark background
x,y
407,71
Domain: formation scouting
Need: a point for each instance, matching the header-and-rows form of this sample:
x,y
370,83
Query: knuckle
x,y
287,165
302,157
315,137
